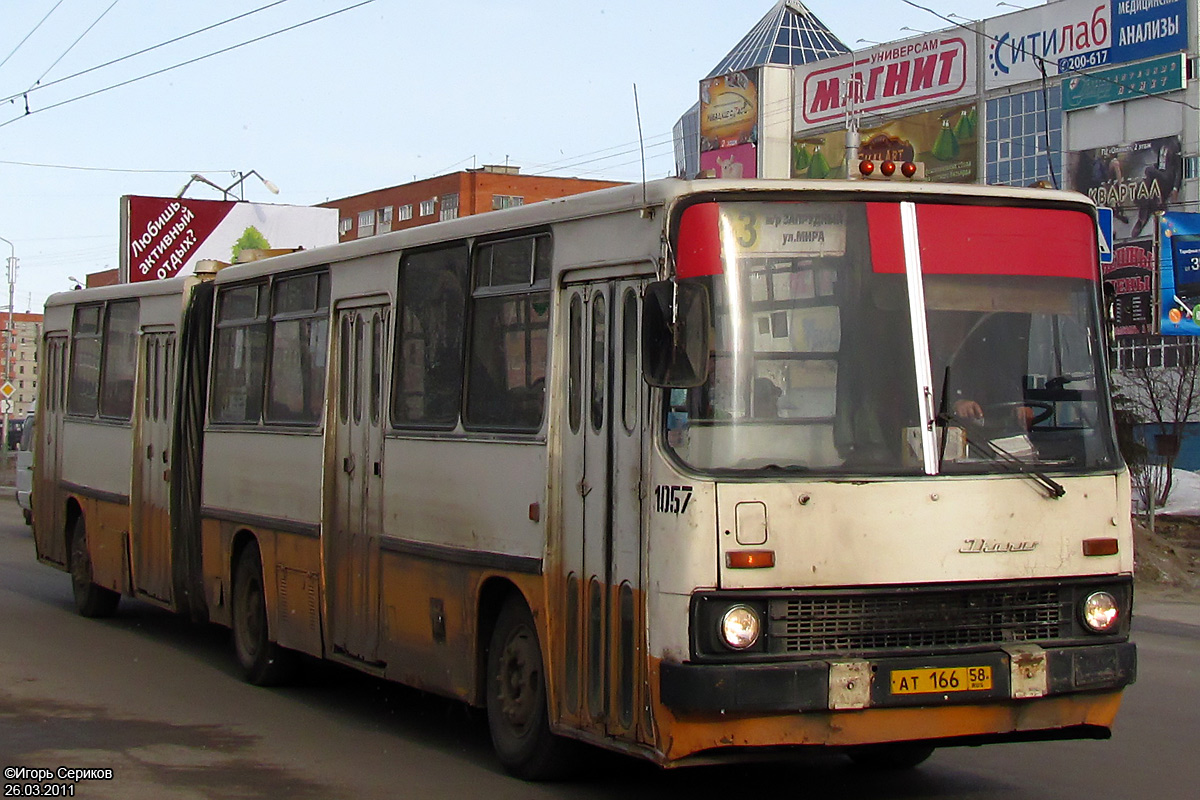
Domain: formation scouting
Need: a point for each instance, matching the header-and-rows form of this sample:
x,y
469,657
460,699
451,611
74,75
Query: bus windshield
x,y
825,347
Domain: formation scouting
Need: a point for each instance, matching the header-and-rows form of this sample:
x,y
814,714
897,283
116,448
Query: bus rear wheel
x,y
91,599
516,700
263,662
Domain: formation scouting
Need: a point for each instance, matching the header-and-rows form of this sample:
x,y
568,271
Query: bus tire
x,y
263,662
91,600
516,699
890,757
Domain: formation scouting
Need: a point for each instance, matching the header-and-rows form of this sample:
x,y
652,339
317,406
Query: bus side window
x,y
510,329
240,355
427,383
84,386
299,344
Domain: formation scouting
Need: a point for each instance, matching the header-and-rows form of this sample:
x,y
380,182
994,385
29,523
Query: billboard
x,y
739,161
728,111
943,140
1136,180
888,79
1179,273
1129,82
162,237
1072,35
1129,279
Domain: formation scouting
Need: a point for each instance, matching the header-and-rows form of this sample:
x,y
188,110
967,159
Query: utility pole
x,y
8,341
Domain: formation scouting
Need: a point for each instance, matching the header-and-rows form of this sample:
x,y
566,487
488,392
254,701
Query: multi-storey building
x,y
19,366
458,194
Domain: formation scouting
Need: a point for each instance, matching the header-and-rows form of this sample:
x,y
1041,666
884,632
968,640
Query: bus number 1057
x,y
672,499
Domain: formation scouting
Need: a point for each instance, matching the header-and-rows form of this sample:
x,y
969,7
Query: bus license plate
x,y
940,681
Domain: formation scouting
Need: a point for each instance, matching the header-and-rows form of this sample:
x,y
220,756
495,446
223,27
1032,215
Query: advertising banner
x,y
943,140
728,111
1075,35
1135,180
165,236
1118,84
887,79
740,161
1179,273
1130,280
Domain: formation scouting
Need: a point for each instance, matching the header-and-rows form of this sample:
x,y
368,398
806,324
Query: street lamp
x,y
226,191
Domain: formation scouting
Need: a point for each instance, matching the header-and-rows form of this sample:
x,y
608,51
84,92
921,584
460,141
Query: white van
x,y
25,469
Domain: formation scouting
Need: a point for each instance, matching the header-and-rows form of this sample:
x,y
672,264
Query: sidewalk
x,y
1165,606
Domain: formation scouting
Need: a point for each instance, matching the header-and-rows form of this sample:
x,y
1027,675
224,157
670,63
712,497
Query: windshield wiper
x,y
996,455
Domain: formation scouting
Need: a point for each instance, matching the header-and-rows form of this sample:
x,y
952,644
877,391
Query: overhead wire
x,y
143,51
31,33
189,62
71,47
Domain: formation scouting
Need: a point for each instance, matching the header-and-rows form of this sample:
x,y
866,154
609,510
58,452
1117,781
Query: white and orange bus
x,y
690,470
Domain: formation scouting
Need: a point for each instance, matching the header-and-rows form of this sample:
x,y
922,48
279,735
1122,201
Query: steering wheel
x,y
1044,410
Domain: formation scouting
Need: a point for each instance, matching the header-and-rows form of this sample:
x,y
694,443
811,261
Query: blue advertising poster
x,y
1179,273
1147,28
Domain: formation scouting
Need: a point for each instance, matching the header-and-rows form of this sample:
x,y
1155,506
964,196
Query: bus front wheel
x,y
516,699
91,599
263,662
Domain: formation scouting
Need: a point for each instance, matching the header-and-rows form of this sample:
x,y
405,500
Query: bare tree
x,y
1159,388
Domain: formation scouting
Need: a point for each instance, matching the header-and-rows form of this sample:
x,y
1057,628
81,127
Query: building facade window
x,y
384,219
449,207
366,223
1024,138
500,201
404,212
427,207
345,225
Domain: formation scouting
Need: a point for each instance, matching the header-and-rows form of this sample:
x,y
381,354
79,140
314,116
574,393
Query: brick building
x,y
457,194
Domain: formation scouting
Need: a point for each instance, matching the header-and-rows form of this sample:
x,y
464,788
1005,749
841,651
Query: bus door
x,y
152,469
602,545
352,549
48,518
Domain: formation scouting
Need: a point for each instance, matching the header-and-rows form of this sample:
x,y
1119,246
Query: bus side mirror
x,y
675,334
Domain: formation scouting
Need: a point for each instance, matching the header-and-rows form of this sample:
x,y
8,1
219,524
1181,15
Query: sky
x,y
330,98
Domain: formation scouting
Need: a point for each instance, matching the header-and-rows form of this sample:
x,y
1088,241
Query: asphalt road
x,y
157,701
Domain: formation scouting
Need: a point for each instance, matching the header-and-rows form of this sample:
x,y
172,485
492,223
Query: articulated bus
x,y
696,471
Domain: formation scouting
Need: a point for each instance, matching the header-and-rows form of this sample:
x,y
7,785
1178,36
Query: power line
x,y
143,51
31,33
189,62
77,41
108,169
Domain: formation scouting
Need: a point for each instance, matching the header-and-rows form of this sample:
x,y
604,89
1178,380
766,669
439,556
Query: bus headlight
x,y
1100,612
740,627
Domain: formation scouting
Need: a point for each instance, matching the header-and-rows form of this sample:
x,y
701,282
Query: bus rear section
x,y
103,453
886,510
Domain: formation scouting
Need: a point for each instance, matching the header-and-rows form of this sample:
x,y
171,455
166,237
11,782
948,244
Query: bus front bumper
x,y
1017,672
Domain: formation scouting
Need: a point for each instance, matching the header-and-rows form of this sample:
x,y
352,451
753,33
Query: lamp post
x,y
226,191
8,336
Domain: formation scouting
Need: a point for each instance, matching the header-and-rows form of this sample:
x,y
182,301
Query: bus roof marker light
x,y
866,167
888,168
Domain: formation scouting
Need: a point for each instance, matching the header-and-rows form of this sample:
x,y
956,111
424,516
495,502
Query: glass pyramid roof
x,y
788,35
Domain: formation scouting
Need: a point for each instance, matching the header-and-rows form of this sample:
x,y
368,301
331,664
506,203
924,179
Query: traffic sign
x,y
1104,221
7,390
6,407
